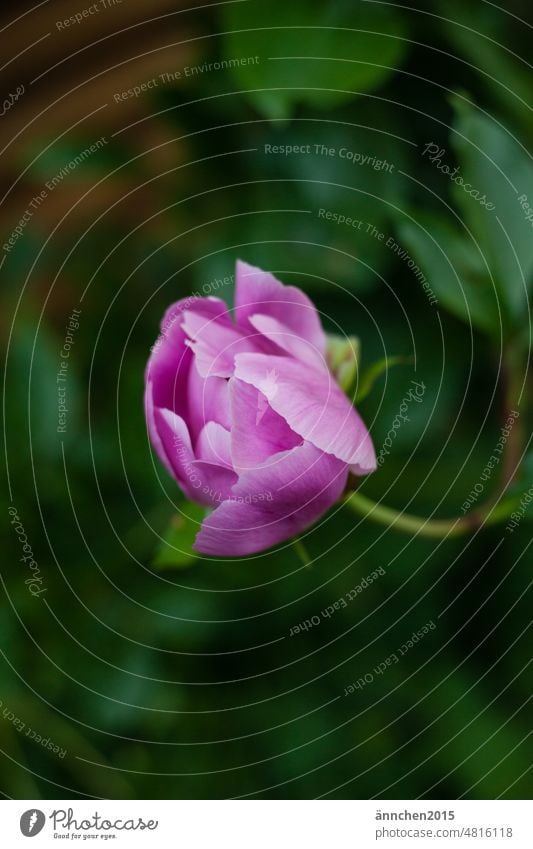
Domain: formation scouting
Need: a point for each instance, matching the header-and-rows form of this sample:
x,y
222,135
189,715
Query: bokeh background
x,y
139,670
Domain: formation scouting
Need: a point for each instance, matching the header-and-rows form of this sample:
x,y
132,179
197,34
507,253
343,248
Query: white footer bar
x,y
267,824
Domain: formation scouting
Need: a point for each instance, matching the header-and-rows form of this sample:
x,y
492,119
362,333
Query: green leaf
x,y
455,270
175,551
504,74
371,374
329,181
495,165
306,45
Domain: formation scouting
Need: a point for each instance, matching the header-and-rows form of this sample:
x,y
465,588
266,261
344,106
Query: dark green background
x,y
183,682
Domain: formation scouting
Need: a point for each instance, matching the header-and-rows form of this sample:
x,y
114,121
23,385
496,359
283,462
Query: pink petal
x,y
258,291
169,364
217,483
271,504
173,436
207,400
212,309
313,406
215,344
214,445
152,427
286,339
257,431
201,481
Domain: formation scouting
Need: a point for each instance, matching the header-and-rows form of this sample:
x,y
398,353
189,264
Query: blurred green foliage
x,y
185,682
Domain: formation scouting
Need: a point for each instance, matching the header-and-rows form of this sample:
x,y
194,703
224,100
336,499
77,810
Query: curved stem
x,y
495,510
433,528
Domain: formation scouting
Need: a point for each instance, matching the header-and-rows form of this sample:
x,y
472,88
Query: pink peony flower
x,y
245,415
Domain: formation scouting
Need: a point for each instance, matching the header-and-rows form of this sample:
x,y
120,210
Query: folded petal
x,y
283,337
216,483
215,344
257,431
176,382
201,481
258,291
207,400
172,436
152,427
274,503
312,405
214,445
210,308
169,364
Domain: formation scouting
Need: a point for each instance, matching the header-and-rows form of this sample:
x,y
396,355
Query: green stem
x,y
495,510
302,552
432,528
